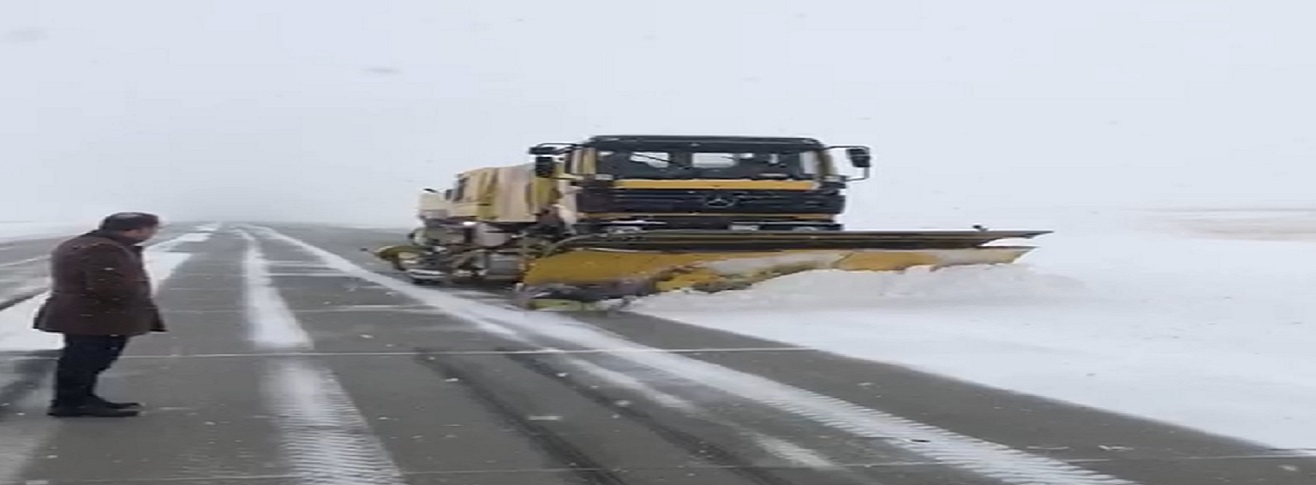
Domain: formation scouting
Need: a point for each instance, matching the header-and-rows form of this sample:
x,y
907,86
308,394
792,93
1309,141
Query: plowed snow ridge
x,y
836,288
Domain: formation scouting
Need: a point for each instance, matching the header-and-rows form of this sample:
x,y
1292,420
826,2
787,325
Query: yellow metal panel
x,y
714,271
775,217
486,184
510,189
476,200
873,260
593,266
697,184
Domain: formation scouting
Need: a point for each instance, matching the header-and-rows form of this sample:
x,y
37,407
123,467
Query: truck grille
x,y
711,201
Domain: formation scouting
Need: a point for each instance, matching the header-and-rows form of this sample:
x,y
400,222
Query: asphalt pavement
x,y
293,357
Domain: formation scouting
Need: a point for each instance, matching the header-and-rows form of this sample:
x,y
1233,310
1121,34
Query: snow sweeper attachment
x,y
581,272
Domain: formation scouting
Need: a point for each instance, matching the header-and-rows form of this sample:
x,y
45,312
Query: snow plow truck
x,y
616,217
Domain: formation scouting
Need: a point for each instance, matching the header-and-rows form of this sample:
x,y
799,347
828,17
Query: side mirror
x,y
447,194
545,167
859,157
542,150
432,191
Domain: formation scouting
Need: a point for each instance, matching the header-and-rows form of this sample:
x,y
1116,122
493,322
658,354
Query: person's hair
x,y
129,221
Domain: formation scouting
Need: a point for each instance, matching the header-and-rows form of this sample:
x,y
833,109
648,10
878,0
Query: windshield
x,y
708,165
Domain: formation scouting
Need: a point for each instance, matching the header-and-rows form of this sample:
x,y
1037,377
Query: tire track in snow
x,y
985,458
325,438
782,448
560,449
691,443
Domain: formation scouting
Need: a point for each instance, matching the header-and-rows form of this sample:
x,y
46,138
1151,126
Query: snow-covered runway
x,y
1202,319
425,385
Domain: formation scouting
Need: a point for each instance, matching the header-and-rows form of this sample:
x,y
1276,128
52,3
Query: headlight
x,y
621,229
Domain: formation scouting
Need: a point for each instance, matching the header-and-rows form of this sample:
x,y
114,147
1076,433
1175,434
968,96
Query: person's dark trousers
x,y
80,365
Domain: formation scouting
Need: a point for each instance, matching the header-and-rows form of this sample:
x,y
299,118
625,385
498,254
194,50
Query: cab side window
x,y
460,193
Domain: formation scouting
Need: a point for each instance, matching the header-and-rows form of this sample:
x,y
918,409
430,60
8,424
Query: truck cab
x,y
623,183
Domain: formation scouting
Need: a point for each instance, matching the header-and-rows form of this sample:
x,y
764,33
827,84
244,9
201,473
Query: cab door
x,y
464,205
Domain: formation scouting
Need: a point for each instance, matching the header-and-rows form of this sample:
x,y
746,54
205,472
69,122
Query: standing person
x,y
100,297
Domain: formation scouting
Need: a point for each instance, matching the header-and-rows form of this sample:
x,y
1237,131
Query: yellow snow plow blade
x,y
602,267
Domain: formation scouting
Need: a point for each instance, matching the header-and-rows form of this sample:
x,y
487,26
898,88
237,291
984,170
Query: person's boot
x,y
90,410
97,400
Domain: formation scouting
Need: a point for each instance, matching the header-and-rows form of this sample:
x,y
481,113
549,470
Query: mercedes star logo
x,y
719,201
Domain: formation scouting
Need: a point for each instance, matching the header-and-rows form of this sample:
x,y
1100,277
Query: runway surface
x,y
295,358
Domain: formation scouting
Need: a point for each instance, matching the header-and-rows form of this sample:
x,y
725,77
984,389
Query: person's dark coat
x,y
99,287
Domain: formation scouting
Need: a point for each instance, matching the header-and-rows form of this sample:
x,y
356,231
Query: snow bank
x,y
823,289
1210,328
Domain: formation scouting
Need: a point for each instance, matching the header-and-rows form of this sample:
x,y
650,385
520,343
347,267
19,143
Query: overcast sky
x,y
341,110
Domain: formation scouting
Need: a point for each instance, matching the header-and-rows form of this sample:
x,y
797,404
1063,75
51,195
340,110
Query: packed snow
x,y
271,324
1203,320
834,289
